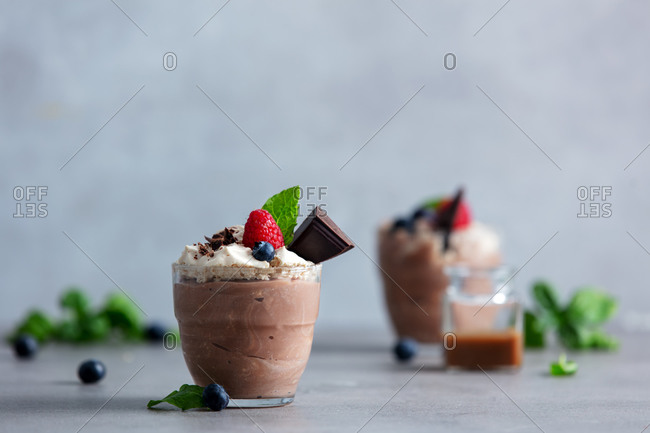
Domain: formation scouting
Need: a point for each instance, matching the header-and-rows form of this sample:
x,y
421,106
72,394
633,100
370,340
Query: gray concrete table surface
x,y
351,383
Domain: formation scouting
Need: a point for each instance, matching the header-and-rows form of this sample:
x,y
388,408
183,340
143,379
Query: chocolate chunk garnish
x,y
445,219
319,239
224,237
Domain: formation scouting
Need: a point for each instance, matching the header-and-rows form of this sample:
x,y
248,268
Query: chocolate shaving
x,y
445,219
224,237
204,249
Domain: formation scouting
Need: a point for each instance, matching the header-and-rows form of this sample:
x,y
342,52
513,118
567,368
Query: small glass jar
x,y
482,319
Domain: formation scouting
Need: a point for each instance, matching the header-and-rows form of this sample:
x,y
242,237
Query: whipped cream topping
x,y
477,241
475,245
227,255
236,261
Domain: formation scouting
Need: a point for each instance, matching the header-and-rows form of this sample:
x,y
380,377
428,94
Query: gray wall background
x,y
310,82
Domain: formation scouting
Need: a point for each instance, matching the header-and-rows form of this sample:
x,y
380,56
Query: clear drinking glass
x,y
252,336
482,319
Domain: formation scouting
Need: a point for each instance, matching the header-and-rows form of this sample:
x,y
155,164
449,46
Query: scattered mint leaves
x,y
187,397
81,323
563,367
283,206
577,325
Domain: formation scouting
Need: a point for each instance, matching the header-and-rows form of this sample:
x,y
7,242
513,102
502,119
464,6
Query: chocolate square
x,y
319,239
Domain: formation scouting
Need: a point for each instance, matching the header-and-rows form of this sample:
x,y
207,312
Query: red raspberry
x,y
262,227
463,216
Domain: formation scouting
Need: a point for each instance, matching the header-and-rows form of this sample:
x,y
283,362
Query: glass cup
x,y
482,319
252,336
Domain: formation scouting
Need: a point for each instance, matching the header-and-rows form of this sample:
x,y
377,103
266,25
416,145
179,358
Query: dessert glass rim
x,y
236,273
502,275
176,265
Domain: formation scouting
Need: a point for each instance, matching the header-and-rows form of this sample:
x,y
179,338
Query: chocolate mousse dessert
x,y
413,253
246,303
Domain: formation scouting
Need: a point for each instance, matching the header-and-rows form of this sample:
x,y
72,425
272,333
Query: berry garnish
x,y
155,332
25,346
263,251
402,223
215,397
423,213
405,349
261,227
91,371
463,216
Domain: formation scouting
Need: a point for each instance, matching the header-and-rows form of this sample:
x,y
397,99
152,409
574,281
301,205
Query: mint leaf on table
x,y
563,367
187,397
546,297
590,307
534,331
283,206
124,315
577,325
75,301
37,324
600,340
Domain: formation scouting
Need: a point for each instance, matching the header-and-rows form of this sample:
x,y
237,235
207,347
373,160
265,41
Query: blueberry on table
x,y
25,346
91,371
406,349
215,397
263,251
155,332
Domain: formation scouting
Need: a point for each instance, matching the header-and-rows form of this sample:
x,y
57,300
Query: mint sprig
x,y
578,324
433,203
83,323
563,367
187,397
283,206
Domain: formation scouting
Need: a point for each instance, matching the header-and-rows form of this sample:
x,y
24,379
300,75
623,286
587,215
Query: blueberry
x,y
405,349
215,397
423,213
402,223
91,371
155,332
263,251
25,346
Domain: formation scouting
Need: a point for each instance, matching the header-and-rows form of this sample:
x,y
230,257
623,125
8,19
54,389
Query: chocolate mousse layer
x,y
414,279
251,336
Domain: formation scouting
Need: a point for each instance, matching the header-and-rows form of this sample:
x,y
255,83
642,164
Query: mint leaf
x,y
546,297
284,208
590,307
187,397
76,302
37,324
432,204
121,313
563,367
600,340
534,331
